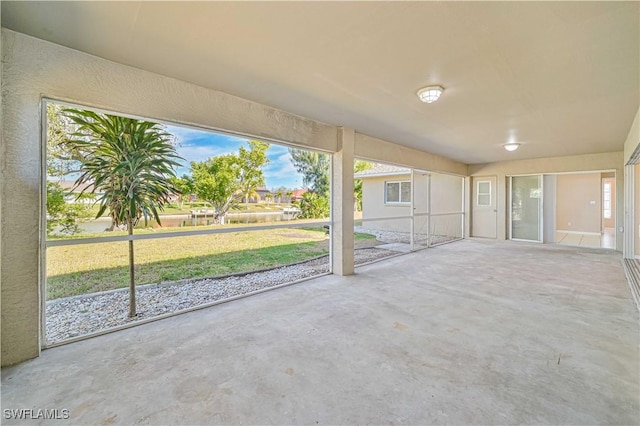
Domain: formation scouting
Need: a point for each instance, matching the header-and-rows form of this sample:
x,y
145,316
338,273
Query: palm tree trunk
x,y
132,281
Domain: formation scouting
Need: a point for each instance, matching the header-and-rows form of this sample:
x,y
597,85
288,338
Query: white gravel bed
x,y
403,237
76,316
386,236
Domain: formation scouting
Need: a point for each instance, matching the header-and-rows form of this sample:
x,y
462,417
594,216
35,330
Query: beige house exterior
x,y
374,198
398,199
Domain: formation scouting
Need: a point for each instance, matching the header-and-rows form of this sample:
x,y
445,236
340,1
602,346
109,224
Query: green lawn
x,y
88,268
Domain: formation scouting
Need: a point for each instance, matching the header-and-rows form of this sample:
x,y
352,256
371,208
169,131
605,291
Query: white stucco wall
x,y
374,207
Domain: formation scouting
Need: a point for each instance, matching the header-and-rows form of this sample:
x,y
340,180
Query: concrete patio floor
x,y
466,333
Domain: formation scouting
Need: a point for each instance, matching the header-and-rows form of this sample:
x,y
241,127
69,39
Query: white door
x,y
484,218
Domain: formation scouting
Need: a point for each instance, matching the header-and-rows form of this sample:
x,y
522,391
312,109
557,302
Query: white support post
x,y
630,228
413,210
342,202
429,210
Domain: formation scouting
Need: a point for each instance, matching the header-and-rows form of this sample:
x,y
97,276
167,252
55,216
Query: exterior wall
x,y
576,163
373,206
578,202
446,193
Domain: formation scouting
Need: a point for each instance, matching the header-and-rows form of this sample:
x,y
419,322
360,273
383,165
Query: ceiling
x,y
559,77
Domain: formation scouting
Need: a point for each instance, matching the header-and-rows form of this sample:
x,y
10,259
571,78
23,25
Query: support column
x,y
342,202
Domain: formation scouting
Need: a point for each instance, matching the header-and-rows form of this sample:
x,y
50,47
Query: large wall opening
x,y
235,216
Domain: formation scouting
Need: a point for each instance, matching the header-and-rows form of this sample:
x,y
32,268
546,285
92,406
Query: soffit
x,y
560,77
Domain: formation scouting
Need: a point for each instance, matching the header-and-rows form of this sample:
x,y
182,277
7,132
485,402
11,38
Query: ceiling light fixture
x,y
430,94
511,146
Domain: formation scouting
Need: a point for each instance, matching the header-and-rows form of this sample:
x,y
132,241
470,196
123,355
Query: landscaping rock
x,y
80,315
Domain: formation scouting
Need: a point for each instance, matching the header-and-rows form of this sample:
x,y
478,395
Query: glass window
x,y
484,193
607,200
398,192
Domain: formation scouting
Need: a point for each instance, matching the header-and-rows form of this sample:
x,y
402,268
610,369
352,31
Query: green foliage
x,y
359,166
128,162
225,179
314,167
62,159
313,206
185,187
62,214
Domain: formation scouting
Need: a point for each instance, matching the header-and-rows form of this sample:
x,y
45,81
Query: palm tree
x,y
290,196
268,197
279,195
131,162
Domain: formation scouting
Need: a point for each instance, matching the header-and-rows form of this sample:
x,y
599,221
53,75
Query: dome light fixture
x,y
430,94
511,146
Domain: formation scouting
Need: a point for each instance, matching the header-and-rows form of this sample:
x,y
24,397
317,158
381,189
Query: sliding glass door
x,y
526,208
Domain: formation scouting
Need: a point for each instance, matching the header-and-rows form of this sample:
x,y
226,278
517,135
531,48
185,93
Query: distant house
x,y
259,195
262,192
296,194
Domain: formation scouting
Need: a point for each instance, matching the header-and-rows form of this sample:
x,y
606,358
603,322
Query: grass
x,y
88,268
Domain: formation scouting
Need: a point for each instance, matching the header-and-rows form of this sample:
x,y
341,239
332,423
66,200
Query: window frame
x,y
400,201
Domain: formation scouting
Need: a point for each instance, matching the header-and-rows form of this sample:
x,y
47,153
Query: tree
x,y
268,198
279,195
252,161
314,167
62,214
62,159
290,195
185,187
130,163
359,166
225,179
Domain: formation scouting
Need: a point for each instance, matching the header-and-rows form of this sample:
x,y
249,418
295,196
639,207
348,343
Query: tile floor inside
x,y
606,240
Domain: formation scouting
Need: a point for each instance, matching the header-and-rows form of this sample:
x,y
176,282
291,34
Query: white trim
x,y
362,175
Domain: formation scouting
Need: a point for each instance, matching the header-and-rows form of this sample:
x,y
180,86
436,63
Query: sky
x,y
198,145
